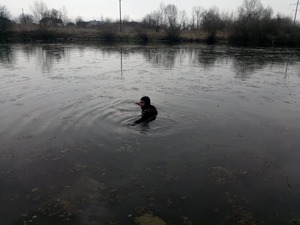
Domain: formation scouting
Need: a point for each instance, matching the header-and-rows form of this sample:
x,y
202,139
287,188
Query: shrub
x,y
108,35
142,36
172,33
45,35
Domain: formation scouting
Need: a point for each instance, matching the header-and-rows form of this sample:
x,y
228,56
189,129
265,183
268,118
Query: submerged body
x,y
149,111
148,115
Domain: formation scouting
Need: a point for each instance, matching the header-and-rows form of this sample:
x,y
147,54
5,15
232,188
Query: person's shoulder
x,y
152,107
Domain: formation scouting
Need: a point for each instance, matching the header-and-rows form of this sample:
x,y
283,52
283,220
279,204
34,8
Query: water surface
x,y
223,150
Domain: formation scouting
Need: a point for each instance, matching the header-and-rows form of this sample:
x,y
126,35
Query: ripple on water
x,y
106,117
117,115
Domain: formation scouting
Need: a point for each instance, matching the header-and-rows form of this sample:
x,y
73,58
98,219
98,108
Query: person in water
x,y
149,111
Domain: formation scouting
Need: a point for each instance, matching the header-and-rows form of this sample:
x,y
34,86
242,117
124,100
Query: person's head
x,y
145,102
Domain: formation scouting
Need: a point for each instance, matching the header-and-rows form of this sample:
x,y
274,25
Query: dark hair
x,y
146,99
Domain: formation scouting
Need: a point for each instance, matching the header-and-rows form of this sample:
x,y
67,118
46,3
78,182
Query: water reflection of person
x,y
149,111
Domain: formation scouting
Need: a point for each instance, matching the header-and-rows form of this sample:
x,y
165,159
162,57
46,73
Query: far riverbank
x,y
65,34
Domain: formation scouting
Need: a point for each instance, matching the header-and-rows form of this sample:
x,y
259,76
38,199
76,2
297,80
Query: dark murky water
x,y
223,150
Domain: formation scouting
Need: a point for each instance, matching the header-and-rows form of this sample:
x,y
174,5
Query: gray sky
x,y
136,9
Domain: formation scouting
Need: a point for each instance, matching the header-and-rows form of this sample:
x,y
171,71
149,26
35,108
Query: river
x,y
224,148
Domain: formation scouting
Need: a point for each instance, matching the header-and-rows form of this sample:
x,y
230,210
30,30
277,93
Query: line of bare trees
x,y
252,22
39,10
4,21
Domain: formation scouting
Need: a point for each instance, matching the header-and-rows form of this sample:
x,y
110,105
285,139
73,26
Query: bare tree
x,y
4,22
197,13
253,23
211,21
183,19
267,13
39,10
149,21
228,20
78,19
108,20
25,19
162,16
64,15
250,10
126,18
173,29
171,14
156,17
55,14
4,13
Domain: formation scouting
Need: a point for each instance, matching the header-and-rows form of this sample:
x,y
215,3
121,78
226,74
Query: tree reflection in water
x,y
6,55
49,54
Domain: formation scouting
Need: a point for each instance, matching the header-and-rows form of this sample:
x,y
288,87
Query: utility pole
x,y
121,15
297,4
24,21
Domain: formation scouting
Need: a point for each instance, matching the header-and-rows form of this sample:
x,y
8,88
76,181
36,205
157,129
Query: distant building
x,y
95,23
51,22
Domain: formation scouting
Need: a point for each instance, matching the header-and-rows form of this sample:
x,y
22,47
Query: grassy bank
x,y
74,34
90,34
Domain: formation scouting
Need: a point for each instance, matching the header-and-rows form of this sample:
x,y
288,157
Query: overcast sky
x,y
136,9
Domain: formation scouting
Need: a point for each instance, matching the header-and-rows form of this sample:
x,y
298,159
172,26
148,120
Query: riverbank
x,y
73,34
90,34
